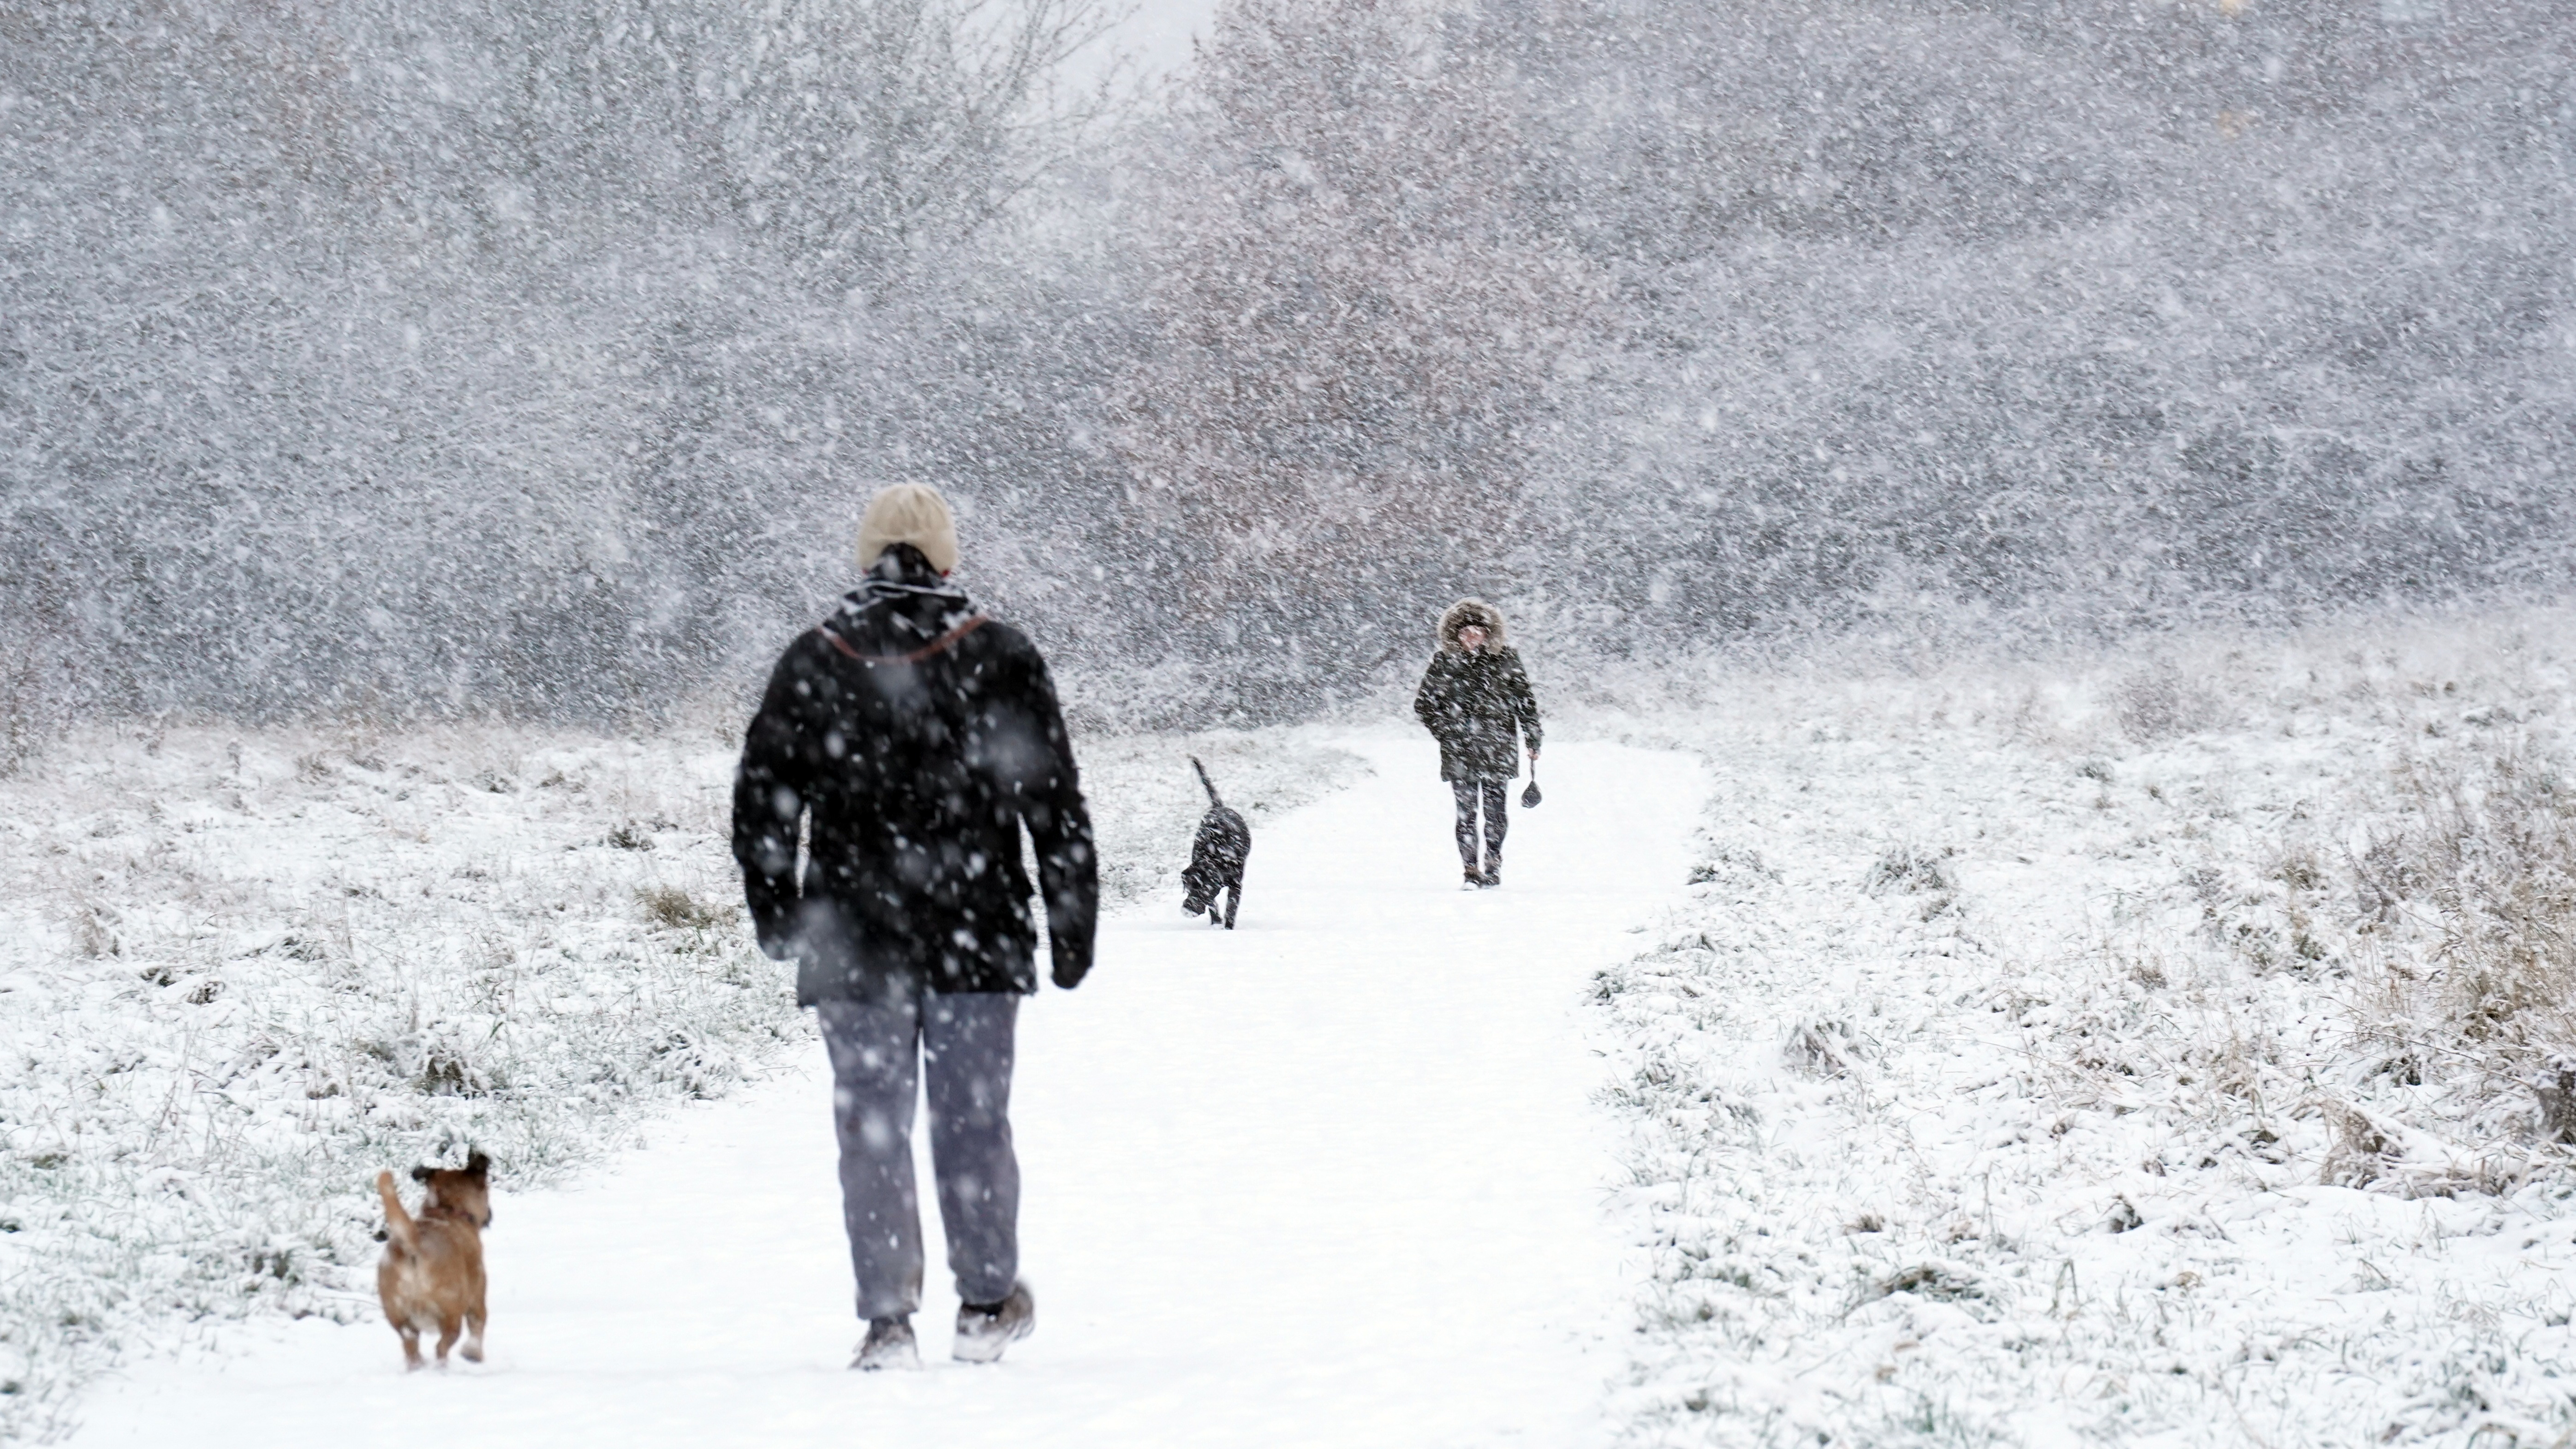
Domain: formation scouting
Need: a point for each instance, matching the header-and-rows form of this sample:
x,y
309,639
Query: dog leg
x,y
1233,899
447,1331
411,1348
473,1349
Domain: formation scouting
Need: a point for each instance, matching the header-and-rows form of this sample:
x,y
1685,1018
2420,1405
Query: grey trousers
x,y
965,1041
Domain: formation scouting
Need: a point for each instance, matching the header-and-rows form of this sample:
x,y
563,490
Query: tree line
x,y
535,357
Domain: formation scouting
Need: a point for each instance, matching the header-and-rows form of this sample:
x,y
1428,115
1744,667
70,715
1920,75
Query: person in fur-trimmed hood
x,y
1475,699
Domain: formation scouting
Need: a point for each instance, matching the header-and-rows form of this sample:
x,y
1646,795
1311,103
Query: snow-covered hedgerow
x,y
2159,1051
240,971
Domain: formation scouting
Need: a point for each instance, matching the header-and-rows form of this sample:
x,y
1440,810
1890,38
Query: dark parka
x,y
1473,701
915,738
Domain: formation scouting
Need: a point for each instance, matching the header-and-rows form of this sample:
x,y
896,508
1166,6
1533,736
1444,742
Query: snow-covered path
x,y
1331,1178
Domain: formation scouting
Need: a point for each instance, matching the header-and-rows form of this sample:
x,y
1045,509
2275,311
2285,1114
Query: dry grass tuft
x,y
2158,701
2472,896
1821,1048
2361,1148
2487,860
673,906
1912,869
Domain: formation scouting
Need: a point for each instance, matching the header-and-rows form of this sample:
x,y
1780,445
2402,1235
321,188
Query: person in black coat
x,y
912,739
1475,699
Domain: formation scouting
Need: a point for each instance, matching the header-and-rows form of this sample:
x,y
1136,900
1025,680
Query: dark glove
x,y
1070,966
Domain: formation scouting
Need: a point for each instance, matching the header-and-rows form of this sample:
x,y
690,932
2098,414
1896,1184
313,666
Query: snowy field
x,y
1332,1178
2154,1050
241,971
2139,1055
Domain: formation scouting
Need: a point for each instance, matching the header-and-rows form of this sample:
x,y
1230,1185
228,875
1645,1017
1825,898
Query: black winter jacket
x,y
1473,702
916,738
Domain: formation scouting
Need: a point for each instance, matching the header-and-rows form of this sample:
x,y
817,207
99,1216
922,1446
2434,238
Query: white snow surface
x,y
2036,1065
243,969
1338,1176
2129,1051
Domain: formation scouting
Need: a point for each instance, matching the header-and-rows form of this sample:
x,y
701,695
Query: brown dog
x,y
432,1273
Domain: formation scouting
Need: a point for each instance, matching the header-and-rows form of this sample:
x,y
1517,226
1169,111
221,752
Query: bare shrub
x,y
1351,338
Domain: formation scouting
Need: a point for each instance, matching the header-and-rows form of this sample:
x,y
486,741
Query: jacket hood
x,y
1470,611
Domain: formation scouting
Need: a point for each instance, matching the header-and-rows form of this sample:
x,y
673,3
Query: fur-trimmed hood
x,y
1470,611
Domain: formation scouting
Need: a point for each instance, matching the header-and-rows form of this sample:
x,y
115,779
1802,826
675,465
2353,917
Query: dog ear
x,y
477,1164
421,1174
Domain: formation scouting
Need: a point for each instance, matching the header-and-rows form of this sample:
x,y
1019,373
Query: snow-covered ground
x,y
1335,1177
2140,1055
242,970
2139,1051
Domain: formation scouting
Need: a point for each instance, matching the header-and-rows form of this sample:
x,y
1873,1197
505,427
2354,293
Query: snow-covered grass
x,y
2149,1051
242,970
2167,1049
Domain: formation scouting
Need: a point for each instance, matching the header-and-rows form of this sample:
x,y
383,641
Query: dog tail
x,y
1204,780
398,1224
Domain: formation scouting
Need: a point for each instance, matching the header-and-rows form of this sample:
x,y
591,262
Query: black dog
x,y
1216,857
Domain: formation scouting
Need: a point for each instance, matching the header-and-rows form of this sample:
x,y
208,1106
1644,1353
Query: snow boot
x,y
1473,882
889,1345
1493,875
985,1329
